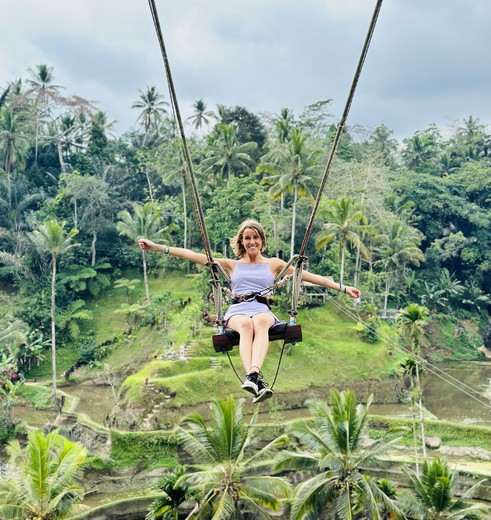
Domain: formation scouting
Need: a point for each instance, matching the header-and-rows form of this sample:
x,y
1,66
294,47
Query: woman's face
x,y
251,240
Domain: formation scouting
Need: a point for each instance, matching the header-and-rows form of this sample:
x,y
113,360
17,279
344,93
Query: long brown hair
x,y
236,241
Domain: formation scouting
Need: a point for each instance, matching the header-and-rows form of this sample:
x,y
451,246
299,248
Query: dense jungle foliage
x,y
407,222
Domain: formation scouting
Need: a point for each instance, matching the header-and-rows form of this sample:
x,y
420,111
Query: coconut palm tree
x,y
145,221
334,456
152,107
411,323
44,90
200,115
228,470
346,224
13,143
227,156
16,211
398,249
420,150
434,492
284,124
43,487
166,506
291,168
52,237
172,168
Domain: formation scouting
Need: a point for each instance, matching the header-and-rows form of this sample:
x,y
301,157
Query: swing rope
x,y
459,385
341,125
215,267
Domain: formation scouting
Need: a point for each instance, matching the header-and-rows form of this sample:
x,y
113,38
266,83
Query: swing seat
x,y
279,331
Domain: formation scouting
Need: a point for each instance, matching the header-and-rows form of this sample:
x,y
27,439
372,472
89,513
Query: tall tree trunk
x,y
421,416
60,154
185,213
275,231
294,221
388,282
92,247
343,259
145,277
53,328
8,166
150,187
75,213
357,267
415,436
36,140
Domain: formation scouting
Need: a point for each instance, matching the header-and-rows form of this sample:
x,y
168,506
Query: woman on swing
x,y
251,273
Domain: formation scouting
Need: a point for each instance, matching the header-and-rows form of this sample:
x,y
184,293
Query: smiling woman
x,y
252,275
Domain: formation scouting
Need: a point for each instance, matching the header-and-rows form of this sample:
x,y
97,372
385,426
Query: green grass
x,y
150,449
38,396
452,434
331,351
107,323
66,356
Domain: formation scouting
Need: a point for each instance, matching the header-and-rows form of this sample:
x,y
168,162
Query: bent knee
x,y
242,325
263,320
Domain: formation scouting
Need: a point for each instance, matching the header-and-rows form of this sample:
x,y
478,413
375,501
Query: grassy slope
x,y
330,352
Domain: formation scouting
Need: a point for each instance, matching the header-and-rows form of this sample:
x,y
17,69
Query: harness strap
x,y
239,298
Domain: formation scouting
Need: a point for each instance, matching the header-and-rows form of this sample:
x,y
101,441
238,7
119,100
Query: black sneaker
x,y
263,392
251,383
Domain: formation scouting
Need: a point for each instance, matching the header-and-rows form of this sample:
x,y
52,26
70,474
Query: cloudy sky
x,y
428,61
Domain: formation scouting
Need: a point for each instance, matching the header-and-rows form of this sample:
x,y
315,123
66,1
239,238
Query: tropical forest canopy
x,y
407,222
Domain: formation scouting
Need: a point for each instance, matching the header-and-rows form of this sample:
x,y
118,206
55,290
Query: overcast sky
x,y
429,61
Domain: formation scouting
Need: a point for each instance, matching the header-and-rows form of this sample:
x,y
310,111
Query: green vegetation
x,y
150,449
45,487
408,223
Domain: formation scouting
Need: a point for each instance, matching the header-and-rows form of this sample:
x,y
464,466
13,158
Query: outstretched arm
x,y
181,252
317,279
327,281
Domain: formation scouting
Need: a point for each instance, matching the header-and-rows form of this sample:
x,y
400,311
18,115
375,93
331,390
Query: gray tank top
x,y
248,278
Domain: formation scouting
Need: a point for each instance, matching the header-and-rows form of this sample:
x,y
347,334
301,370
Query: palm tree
x,y
201,115
13,143
101,119
434,492
41,85
383,145
16,210
284,124
291,169
346,224
166,506
398,248
476,299
228,468
226,155
334,454
43,487
412,321
146,221
172,168
51,237
152,104
420,150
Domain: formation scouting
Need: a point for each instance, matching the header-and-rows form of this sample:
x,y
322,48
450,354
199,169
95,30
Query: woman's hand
x,y
148,245
352,291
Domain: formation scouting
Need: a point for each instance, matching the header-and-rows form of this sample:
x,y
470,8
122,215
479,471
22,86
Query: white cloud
x,y
427,62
